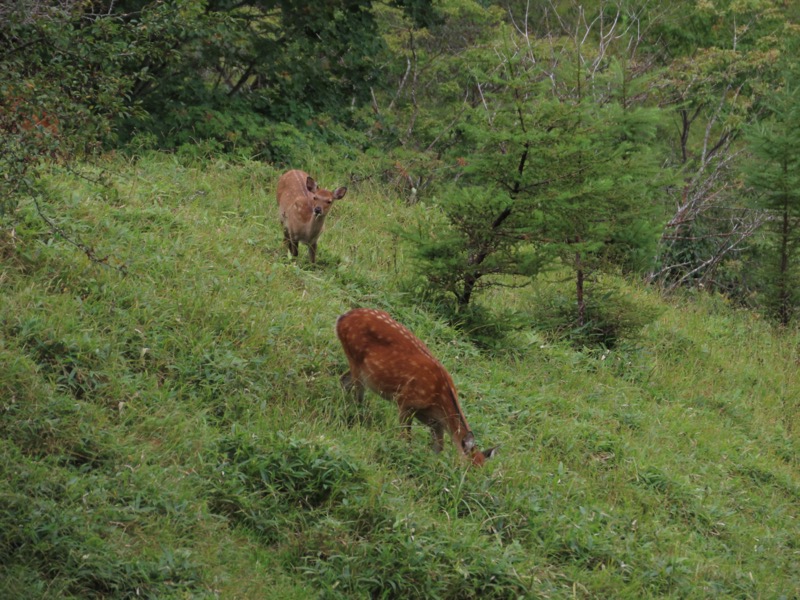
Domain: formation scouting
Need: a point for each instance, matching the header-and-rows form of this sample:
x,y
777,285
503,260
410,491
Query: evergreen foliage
x,y
775,175
547,174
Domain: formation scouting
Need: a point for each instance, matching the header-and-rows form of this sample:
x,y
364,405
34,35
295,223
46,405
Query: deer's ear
x,y
468,443
311,185
487,454
339,193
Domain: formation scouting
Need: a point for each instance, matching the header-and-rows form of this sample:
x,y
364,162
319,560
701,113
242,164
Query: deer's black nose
x,y
317,210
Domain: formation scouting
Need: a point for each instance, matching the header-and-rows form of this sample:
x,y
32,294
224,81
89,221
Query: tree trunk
x,y
783,287
471,279
469,286
579,290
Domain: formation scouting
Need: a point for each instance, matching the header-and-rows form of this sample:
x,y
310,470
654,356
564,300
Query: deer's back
x,y
389,358
295,207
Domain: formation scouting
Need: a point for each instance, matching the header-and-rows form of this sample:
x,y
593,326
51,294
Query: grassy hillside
x,y
179,432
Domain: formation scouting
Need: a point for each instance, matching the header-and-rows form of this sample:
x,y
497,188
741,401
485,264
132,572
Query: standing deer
x,y
387,358
303,207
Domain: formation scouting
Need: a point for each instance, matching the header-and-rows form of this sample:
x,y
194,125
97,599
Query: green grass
x,y
179,431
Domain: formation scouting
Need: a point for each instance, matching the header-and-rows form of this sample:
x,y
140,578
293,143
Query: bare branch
x,y
87,250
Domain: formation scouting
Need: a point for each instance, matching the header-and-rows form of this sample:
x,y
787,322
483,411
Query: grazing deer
x,y
303,207
387,358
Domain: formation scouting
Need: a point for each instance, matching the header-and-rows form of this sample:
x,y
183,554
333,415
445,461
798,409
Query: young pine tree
x,y
775,175
547,182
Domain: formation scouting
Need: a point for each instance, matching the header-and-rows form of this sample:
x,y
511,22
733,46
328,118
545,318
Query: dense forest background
x,y
588,211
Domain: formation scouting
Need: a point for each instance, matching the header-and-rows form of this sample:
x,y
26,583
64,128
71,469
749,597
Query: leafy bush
x,y
206,130
62,82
